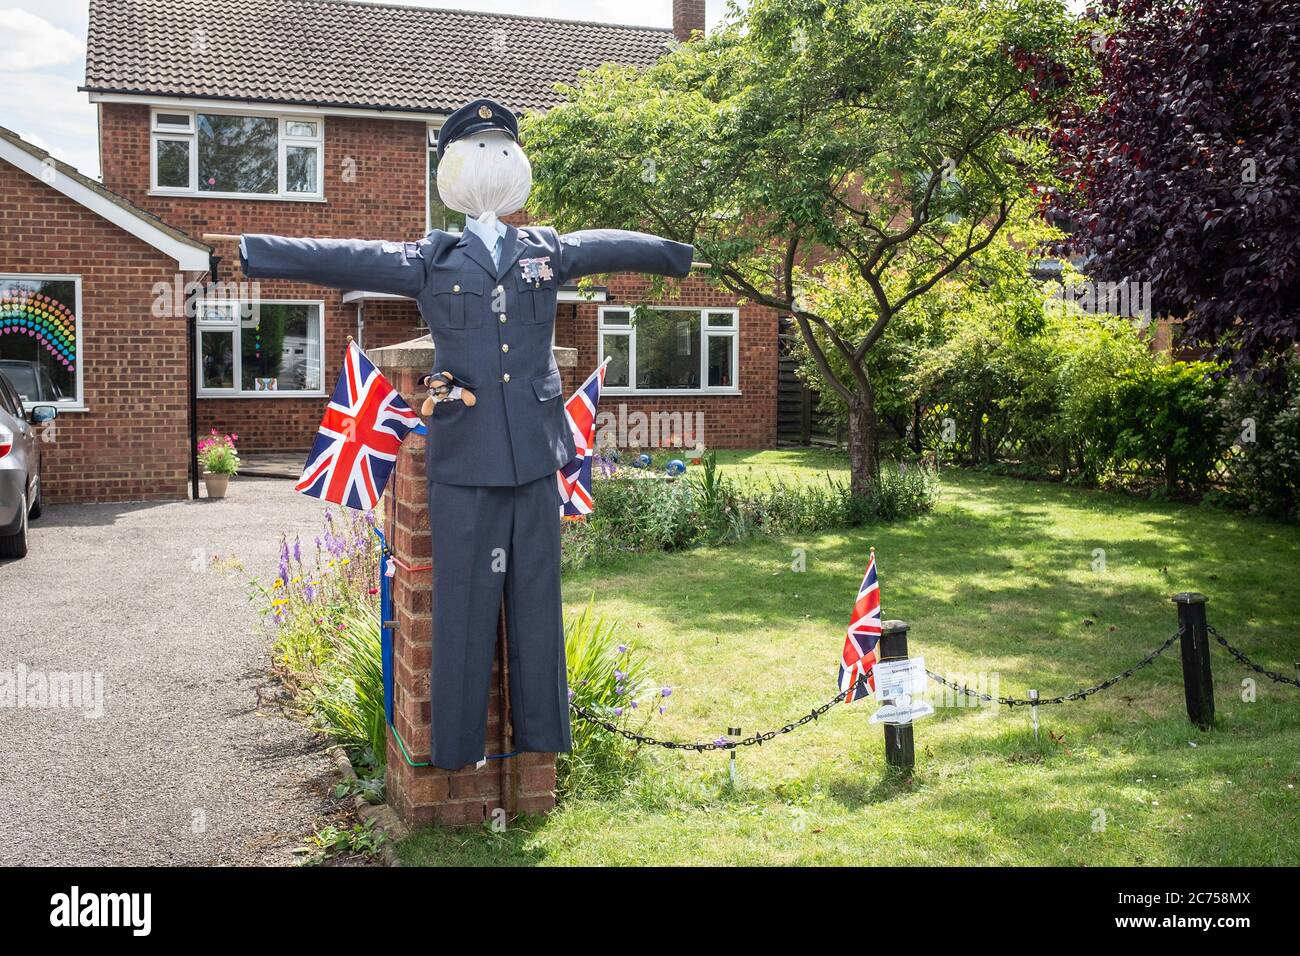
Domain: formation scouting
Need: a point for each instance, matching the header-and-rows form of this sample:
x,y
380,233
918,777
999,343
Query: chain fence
x,y
1081,694
721,743
1241,656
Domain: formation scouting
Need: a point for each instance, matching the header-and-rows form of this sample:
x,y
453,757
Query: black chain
x,y
1257,668
758,738
1082,694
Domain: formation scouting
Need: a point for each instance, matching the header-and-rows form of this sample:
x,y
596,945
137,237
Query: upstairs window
x,y
235,154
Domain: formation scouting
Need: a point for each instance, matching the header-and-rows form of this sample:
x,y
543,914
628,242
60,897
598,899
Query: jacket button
x,y
505,347
499,290
505,377
455,288
503,317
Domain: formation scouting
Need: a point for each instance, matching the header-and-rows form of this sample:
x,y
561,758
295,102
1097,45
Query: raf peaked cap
x,y
474,118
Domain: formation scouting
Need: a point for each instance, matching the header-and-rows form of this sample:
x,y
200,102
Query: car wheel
x,y
39,505
15,545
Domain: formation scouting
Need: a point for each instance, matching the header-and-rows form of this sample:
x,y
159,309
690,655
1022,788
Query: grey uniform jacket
x,y
492,326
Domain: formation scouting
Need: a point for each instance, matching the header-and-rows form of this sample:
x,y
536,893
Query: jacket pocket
x,y
534,302
457,301
549,386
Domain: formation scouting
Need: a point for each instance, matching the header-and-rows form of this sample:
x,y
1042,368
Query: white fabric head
x,y
484,176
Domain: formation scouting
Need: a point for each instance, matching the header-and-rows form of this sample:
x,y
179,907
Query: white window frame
x,y
283,141
79,404
430,150
236,329
706,332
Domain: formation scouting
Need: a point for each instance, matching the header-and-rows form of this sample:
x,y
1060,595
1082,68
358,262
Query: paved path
x,y
182,766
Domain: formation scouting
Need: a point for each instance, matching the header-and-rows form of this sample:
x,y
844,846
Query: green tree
x,y
891,138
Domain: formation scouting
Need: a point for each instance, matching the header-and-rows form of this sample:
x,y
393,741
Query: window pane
x,y
280,349
616,318
440,217
38,338
174,163
238,154
720,360
722,320
667,349
175,120
218,357
300,128
300,169
617,352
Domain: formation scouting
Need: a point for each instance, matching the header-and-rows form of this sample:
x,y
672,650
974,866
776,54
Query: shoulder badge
x,y
571,240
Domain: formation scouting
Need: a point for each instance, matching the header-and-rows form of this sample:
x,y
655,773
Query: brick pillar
x,y
423,795
688,18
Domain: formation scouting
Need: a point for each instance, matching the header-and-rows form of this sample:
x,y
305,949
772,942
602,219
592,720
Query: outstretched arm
x,y
591,251
366,265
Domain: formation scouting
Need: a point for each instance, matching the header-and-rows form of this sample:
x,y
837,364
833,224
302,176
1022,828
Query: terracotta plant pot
x,y
216,484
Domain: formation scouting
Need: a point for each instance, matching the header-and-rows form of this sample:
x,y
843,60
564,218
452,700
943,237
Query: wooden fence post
x,y
1198,684
900,752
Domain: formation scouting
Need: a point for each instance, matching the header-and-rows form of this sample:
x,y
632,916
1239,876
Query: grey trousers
x,y
488,541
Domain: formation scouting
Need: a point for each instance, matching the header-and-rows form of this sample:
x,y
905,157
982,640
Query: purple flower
x,y
618,711
309,592
662,711
297,549
622,648
665,692
284,570
620,676
572,694
722,741
619,689
635,704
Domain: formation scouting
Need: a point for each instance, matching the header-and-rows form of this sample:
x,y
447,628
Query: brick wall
x,y
132,442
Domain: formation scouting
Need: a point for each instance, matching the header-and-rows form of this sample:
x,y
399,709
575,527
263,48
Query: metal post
x,y
1198,684
1033,711
900,752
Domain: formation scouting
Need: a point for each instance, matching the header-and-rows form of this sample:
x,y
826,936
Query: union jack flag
x,y
859,655
365,423
575,477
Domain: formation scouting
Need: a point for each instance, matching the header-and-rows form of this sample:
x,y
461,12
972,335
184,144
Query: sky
x,y
43,61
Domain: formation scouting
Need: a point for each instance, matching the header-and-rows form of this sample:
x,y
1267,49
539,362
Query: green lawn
x,y
999,579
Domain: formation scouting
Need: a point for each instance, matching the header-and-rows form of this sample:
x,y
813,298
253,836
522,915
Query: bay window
x,y
263,349
670,349
240,155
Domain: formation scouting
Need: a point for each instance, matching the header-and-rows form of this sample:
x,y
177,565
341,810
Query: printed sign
x,y
899,679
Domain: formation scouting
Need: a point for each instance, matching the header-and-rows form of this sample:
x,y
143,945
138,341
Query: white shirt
x,y
489,237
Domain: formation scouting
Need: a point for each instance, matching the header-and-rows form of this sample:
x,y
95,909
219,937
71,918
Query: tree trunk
x,y
864,461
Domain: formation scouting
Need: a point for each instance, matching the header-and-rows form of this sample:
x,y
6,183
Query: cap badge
x,y
485,112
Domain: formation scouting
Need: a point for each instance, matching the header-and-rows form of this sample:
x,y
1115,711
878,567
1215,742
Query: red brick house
x,y
316,118
79,269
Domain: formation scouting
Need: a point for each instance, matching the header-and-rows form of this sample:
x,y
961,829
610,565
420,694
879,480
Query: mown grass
x,y
1002,578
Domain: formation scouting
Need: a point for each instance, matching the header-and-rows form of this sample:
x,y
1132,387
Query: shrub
x,y
606,678
1262,432
1166,418
347,701
640,511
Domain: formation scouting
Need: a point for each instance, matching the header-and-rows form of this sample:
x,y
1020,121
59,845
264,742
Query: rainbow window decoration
x,y
38,337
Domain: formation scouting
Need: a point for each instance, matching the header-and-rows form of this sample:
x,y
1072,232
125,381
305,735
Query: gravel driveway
x,y
181,767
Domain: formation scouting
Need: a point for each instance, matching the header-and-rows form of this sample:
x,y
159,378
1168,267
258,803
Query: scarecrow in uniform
x,y
498,432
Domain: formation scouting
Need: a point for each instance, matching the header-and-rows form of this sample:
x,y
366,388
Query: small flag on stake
x,y
575,477
859,655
